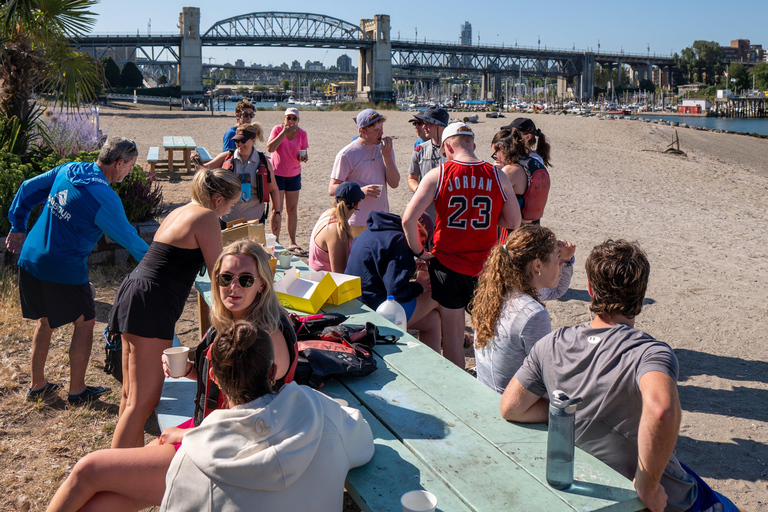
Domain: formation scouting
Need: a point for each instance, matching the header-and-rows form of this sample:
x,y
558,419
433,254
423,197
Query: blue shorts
x,y
409,308
289,183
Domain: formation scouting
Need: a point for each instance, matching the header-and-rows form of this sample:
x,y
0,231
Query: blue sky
x,y
665,26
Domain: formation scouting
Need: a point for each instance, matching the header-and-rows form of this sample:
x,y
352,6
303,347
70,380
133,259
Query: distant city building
x,y
740,51
344,63
295,65
239,63
314,66
664,77
466,34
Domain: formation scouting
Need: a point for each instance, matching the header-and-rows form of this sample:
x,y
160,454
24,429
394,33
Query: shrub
x,y
142,195
70,132
12,174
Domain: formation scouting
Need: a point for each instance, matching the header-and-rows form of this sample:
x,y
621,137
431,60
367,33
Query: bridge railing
x,y
124,34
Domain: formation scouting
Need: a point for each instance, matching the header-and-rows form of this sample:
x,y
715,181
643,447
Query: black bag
x,y
310,327
113,362
367,334
320,359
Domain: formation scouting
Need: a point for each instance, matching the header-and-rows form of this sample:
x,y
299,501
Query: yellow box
x,y
251,230
303,294
347,287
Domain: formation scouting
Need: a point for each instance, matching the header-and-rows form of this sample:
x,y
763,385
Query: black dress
x,y
152,297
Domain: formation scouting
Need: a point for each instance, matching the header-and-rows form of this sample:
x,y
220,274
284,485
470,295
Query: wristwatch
x,y
420,254
277,212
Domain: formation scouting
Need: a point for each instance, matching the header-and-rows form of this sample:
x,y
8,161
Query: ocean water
x,y
759,125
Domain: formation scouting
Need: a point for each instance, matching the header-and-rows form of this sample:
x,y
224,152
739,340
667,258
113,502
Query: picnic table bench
x,y
171,144
437,428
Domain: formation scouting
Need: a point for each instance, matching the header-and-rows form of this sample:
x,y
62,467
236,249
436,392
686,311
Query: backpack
x,y
535,196
311,327
263,178
320,359
113,361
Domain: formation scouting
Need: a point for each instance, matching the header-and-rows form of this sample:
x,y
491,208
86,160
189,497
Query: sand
x,y
700,218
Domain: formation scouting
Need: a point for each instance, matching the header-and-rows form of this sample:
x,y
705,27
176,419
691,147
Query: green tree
x,y
111,72
35,56
738,78
708,60
162,80
131,77
760,72
646,85
286,84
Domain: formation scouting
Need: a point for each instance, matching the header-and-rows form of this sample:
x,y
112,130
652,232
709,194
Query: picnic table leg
x,y
203,315
170,161
188,159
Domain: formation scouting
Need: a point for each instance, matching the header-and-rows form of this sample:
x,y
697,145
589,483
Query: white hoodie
x,y
285,451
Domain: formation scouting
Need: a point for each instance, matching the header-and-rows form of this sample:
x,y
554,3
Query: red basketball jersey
x,y
468,201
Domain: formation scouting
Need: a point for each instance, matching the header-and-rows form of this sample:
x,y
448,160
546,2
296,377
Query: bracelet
x,y
190,370
420,254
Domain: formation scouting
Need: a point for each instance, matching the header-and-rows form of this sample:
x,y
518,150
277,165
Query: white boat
x,y
291,100
320,103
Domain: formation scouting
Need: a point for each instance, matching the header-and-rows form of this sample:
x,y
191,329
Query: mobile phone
x,y
197,160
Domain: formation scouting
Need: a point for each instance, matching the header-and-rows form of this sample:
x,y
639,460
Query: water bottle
x,y
560,439
394,312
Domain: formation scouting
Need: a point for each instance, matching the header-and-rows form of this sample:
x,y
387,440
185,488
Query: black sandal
x,y
86,396
49,388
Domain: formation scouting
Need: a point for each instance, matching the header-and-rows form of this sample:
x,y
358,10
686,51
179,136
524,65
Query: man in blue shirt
x,y
244,112
80,206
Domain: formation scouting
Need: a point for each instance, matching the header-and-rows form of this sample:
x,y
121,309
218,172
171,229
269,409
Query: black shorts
x,y
449,288
60,303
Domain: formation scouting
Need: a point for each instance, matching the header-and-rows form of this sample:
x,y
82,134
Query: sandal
x,y
298,251
49,388
86,396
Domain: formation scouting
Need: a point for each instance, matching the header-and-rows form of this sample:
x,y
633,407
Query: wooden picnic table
x,y
437,428
186,145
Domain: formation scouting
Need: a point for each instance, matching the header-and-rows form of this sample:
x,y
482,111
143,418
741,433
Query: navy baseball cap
x,y
435,115
349,192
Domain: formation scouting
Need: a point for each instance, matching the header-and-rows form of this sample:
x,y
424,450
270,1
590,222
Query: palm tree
x,y
35,58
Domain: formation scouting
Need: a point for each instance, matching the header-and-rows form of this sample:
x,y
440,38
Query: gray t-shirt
x,y
426,156
522,322
604,367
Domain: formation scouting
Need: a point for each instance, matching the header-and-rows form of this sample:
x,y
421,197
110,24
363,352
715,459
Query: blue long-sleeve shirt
x,y
80,206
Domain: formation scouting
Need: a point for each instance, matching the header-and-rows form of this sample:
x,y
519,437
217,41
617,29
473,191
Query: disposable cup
x,y
271,239
177,360
302,153
418,501
284,258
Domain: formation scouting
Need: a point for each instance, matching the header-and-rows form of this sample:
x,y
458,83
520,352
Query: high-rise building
x,y
466,34
344,63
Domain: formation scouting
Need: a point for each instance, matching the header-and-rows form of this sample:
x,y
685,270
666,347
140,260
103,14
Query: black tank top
x,y
169,264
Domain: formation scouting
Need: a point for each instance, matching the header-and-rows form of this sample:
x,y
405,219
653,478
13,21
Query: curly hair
x,y
507,271
511,144
242,356
265,311
617,272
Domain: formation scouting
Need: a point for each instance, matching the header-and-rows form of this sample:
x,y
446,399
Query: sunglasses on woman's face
x,y
245,280
292,118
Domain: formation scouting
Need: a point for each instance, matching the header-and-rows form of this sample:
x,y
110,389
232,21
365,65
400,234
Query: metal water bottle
x,y
560,439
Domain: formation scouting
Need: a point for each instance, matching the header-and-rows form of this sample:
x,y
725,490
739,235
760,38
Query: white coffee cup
x,y
302,153
418,501
271,239
177,360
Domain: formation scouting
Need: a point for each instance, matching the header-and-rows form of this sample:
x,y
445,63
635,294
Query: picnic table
x,y
186,145
437,428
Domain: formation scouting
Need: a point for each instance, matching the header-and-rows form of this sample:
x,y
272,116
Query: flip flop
x,y
49,388
298,251
86,396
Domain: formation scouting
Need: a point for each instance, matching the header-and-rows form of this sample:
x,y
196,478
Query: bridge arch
x,y
286,26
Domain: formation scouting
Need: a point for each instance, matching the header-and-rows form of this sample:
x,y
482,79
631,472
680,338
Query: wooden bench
x,y
153,156
437,428
204,155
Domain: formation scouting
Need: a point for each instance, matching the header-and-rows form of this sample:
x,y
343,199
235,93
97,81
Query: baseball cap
x,y
523,124
367,117
349,192
455,129
434,115
292,111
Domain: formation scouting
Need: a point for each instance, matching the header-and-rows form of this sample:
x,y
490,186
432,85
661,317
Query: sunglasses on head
x,y
249,115
245,280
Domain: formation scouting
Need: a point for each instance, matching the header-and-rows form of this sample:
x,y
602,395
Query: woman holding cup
x,y
288,145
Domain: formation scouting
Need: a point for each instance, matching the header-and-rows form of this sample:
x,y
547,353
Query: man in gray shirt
x,y
426,156
630,415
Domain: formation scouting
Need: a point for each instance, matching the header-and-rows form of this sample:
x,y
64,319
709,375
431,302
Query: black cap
x,y
435,115
523,124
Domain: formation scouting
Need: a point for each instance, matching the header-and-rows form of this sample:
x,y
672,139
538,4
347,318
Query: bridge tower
x,y
374,72
191,52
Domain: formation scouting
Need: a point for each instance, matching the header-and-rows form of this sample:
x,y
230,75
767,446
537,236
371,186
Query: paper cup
x,y
302,153
284,258
177,360
418,501
271,239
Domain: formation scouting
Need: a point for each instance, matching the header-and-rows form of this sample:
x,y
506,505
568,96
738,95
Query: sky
x,y
663,25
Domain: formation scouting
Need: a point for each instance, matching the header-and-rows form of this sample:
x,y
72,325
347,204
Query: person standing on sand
x,y
426,156
244,112
418,125
288,145
472,199
630,413
369,161
80,206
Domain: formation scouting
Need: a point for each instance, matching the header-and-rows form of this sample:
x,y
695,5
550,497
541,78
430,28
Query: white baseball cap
x,y
455,129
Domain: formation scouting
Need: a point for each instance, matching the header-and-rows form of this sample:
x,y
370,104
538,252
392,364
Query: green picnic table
x,y
186,145
437,428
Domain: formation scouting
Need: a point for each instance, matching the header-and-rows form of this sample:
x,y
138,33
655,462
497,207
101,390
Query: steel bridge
x,y
379,55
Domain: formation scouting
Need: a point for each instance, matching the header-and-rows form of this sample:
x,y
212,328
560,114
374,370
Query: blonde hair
x,y
506,271
265,311
254,129
342,213
208,183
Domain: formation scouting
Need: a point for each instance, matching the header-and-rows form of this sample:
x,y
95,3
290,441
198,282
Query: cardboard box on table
x,y
251,230
347,287
302,293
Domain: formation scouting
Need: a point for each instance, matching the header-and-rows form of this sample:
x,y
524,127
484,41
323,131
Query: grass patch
x,y
351,106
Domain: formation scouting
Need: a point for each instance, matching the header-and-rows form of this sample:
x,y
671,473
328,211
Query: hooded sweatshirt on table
x,y
80,206
285,451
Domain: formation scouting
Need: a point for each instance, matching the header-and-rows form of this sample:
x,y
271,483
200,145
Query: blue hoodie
x,y
80,206
380,256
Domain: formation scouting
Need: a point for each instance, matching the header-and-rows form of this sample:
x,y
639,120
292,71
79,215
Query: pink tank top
x,y
318,258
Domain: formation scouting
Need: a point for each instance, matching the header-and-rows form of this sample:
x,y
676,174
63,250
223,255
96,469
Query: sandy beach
x,y
701,218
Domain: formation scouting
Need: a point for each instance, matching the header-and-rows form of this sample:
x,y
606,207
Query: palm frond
x,y
70,17
72,77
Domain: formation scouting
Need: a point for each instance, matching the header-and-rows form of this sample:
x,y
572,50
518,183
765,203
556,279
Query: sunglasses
x,y
245,280
493,156
292,118
418,123
248,115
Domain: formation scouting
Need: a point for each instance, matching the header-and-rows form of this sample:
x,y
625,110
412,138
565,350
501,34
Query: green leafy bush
x,y
12,174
